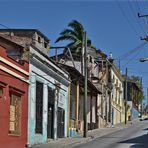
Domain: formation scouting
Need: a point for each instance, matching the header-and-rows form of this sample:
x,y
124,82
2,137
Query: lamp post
x,y
143,59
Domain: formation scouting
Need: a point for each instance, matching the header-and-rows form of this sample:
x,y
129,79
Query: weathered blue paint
x,y
64,99
34,138
40,73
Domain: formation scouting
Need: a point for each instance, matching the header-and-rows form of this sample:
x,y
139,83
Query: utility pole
x,y
126,97
141,16
146,15
144,59
85,88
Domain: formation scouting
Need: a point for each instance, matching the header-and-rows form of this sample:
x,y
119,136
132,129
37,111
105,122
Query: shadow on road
x,y
138,142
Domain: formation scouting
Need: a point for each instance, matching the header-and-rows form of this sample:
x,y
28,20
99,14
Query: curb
x,y
91,136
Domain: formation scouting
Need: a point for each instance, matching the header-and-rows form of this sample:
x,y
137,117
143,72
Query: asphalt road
x,y
135,136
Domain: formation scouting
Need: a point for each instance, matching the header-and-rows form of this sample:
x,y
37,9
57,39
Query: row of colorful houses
x,y
42,97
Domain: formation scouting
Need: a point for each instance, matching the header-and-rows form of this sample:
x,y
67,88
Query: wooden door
x,y
61,118
50,121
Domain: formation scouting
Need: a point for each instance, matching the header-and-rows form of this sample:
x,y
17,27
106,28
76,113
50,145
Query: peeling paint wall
x,y
37,73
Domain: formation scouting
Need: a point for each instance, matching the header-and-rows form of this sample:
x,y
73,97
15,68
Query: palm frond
x,y
67,32
77,43
70,45
66,37
74,34
77,27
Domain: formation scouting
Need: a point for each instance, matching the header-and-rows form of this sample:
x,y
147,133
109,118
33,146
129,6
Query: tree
x,y
74,34
139,95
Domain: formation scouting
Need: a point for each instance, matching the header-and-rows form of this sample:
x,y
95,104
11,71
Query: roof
x,y
48,58
33,30
102,53
78,57
10,41
75,74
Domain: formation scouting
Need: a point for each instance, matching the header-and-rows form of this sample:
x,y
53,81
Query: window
x,y
15,114
45,44
113,79
119,99
39,39
39,107
15,54
116,96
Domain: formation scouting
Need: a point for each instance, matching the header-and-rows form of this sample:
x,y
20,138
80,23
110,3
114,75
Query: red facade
x,y
13,100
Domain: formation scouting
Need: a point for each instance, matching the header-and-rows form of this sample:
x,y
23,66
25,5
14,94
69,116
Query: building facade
x,y
117,96
14,83
48,89
48,99
76,106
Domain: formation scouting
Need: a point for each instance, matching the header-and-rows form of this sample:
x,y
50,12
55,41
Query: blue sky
x,y
113,26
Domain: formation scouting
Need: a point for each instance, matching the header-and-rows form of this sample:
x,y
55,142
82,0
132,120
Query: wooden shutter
x,y
39,107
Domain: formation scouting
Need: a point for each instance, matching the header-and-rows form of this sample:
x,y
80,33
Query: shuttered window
x,y
15,114
39,107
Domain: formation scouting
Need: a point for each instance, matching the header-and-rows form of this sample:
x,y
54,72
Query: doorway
x,y
61,118
50,123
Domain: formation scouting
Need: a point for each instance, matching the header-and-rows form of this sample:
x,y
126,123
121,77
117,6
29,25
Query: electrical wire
x,y
4,26
127,19
124,56
135,16
131,59
145,18
137,4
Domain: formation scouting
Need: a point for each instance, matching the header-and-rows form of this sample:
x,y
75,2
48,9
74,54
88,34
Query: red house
x,y
14,73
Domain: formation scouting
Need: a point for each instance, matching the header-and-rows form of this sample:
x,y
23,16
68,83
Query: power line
x,y
128,21
132,51
139,9
4,26
131,59
135,16
137,4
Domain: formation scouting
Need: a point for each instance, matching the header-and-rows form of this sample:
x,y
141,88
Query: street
x,y
135,136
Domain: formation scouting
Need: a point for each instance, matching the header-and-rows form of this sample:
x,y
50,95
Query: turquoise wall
x,y
34,138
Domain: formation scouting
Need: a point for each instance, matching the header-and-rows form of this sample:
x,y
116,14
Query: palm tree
x,y
74,34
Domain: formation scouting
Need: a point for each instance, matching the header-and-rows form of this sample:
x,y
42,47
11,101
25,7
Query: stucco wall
x,y
40,72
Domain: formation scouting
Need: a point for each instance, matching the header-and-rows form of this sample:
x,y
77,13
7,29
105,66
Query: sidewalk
x,y
91,135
